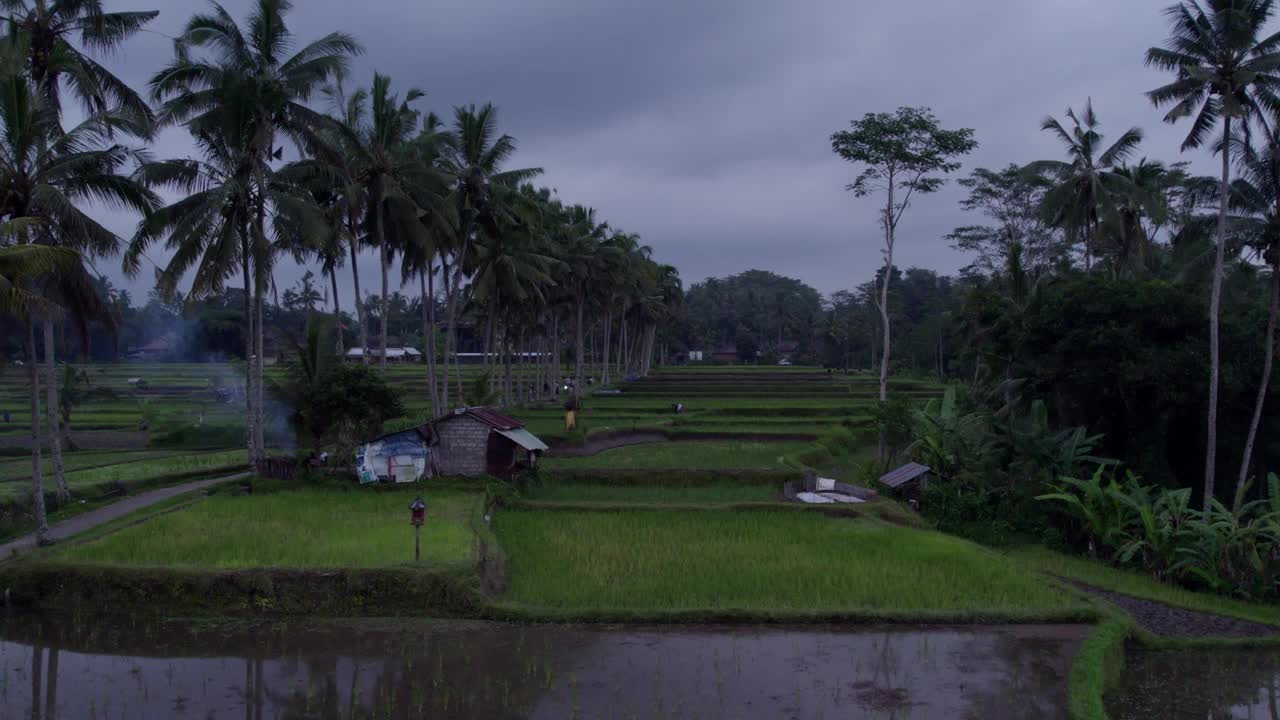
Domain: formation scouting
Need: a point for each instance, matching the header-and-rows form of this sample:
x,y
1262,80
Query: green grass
x,y
1096,668
295,529
798,561
699,494
1139,584
140,471
19,468
686,455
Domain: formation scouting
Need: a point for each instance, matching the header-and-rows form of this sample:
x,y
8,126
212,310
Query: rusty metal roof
x,y
903,475
494,418
488,416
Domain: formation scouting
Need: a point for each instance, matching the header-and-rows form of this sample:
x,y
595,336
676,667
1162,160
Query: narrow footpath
x,y
1163,619
107,513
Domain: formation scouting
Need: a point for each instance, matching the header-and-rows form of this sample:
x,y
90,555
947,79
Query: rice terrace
x,y
895,396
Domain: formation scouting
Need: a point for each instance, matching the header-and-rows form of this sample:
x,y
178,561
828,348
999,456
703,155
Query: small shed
x,y
479,441
911,480
394,354
398,457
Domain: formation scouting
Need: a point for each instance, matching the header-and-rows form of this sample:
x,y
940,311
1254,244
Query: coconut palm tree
x,y
45,33
422,239
55,61
1141,207
482,196
1256,197
1084,190
1224,69
207,230
332,172
45,173
513,273
220,71
385,164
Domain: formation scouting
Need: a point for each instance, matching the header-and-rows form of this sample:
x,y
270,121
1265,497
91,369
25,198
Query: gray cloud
x,y
704,126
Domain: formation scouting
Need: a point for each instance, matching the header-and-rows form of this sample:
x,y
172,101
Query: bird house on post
x,y
417,516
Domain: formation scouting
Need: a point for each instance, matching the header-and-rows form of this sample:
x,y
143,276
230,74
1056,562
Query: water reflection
x,y
347,669
1204,684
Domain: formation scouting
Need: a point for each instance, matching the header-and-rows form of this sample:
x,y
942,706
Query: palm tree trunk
x,y
1215,306
51,410
453,298
337,312
622,344
382,340
452,311
604,363
1268,359
355,278
37,471
259,420
489,335
448,334
427,278
506,361
1088,246
556,347
577,354
250,333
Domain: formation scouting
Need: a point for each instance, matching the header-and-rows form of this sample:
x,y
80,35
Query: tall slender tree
x,y
1225,70
1256,195
901,154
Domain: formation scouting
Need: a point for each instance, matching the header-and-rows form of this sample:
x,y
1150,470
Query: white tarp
x,y
826,498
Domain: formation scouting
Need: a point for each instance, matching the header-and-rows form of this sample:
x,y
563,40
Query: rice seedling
x,y
295,529
673,560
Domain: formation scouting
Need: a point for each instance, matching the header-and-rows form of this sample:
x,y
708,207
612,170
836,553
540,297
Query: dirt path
x,y
1170,621
107,513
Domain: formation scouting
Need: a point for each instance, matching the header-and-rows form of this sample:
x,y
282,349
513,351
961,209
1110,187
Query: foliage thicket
x,y
1231,550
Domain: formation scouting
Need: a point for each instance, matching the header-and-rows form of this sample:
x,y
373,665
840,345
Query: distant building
x,y
394,354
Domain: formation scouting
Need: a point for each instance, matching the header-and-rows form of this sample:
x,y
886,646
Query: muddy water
x,y
144,669
1217,683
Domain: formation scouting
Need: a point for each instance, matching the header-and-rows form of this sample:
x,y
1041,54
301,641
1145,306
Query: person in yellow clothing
x,y
571,415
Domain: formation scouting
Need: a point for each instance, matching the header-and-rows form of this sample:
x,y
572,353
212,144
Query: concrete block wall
x,y
463,446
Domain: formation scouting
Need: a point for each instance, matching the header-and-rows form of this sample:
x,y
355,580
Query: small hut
x,y
910,481
481,441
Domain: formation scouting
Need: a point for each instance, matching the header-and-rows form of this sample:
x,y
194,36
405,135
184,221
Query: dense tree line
x,y
437,199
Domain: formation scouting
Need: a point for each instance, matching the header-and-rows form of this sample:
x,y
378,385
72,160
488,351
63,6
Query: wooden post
x,y
417,543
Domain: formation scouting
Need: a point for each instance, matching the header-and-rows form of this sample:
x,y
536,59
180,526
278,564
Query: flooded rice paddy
x,y
65,668
1195,684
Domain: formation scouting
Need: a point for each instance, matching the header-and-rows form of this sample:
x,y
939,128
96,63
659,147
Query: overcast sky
x,y
704,126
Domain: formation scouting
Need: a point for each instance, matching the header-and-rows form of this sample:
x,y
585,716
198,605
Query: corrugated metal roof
x,y
523,438
903,475
493,418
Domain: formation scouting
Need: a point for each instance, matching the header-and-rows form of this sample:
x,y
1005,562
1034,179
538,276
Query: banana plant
x,y
946,439
1160,529
1096,504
